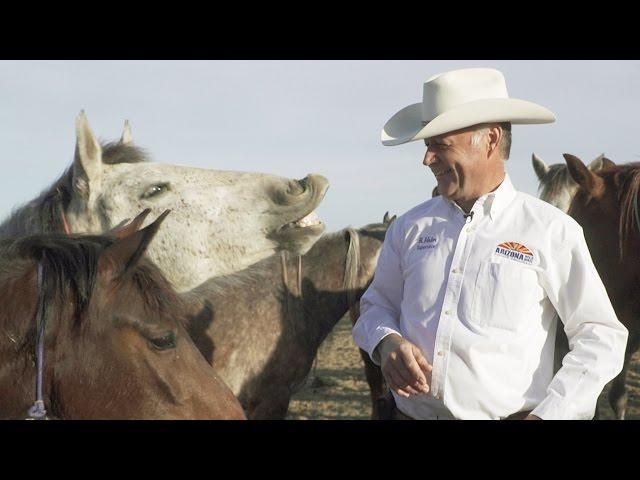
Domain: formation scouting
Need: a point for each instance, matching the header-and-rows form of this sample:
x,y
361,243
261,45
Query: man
x,y
460,314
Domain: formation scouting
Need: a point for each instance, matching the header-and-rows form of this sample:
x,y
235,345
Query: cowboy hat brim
x,y
407,125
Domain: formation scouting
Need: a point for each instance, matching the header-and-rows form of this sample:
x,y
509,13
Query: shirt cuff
x,y
556,408
378,335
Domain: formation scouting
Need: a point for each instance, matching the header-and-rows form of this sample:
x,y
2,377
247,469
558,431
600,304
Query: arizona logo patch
x,y
515,251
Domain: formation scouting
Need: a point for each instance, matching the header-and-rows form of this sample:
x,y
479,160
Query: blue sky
x,y
291,118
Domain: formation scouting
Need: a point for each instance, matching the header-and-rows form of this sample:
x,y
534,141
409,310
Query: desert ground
x,y
337,389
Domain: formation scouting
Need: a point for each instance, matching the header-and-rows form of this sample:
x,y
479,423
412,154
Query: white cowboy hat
x,y
459,99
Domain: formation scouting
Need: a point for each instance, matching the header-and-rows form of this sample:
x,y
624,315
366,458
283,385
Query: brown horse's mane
x,y
70,267
44,214
628,177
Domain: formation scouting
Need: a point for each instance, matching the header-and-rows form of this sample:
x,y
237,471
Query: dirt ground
x,y
339,391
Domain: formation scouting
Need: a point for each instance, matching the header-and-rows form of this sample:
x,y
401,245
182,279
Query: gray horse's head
x,y
556,185
222,221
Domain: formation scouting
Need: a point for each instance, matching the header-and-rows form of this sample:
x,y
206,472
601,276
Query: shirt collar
x,y
501,197
494,202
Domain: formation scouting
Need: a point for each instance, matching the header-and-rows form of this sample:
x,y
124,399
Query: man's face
x,y
457,165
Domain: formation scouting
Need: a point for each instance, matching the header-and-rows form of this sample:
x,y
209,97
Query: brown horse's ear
x,y
124,229
539,166
580,173
127,251
600,162
606,163
435,193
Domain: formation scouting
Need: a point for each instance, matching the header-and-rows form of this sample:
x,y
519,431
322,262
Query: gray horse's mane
x,y
556,179
352,265
44,213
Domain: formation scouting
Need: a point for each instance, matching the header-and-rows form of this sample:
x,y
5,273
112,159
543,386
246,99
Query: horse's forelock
x,y
556,180
117,152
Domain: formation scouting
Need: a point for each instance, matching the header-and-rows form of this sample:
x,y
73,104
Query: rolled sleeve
x,y
380,304
597,339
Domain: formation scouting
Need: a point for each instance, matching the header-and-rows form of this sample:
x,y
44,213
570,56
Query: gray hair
x,y
505,143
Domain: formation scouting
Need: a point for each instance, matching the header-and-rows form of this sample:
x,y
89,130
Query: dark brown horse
x,y
113,347
261,328
606,206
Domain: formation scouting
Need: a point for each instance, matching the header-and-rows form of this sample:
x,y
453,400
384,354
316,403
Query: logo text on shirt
x,y
515,251
427,241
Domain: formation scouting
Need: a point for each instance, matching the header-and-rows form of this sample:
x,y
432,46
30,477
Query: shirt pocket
x,y
505,294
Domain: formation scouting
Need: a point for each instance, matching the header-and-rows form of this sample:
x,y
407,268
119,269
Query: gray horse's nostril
x,y
297,187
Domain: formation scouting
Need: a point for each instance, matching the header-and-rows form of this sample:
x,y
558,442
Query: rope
x,y
37,411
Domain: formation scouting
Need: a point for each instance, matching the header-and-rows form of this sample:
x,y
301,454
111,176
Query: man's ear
x,y
495,138
125,253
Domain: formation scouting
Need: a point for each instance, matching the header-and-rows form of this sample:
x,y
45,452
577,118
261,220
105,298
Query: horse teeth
x,y
311,219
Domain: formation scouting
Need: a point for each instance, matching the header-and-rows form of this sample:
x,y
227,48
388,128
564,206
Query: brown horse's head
x,y
114,348
605,205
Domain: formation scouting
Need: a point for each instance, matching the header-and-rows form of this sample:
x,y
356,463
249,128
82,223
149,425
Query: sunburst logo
x,y
515,251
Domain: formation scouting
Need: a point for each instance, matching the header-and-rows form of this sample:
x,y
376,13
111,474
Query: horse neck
x,y
325,296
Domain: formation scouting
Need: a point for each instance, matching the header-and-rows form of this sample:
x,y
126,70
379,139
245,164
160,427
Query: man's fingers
x,y
398,383
394,382
424,366
401,379
415,373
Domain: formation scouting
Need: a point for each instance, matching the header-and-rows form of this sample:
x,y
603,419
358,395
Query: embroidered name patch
x,y
515,251
427,242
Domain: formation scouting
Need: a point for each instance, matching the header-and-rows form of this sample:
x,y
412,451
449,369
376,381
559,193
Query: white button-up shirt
x,y
479,296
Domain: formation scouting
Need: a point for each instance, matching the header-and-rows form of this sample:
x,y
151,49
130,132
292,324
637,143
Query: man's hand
x,y
404,367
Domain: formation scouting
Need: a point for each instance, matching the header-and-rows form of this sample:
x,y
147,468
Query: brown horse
x,y
606,206
261,328
112,346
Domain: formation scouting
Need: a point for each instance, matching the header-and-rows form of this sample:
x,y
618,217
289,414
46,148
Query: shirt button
x,y
447,312
440,353
470,230
456,270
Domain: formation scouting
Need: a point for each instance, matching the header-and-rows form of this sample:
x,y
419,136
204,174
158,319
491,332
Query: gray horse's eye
x,y
155,190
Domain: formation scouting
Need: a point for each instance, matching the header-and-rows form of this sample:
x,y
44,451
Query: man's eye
x,y
155,190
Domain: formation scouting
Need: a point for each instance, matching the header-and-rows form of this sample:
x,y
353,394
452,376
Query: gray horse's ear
x,y
127,137
87,162
580,173
600,163
539,166
126,228
127,251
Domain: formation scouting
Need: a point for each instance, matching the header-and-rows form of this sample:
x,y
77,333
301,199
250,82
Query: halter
x,y
37,411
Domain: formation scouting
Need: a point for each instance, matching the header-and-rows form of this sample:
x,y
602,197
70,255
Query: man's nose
x,y
429,158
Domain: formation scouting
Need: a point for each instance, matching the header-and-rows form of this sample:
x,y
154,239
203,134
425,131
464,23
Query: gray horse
x,y
222,221
261,328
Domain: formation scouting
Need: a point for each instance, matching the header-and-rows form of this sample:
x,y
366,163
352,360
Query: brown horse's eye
x,y
164,342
